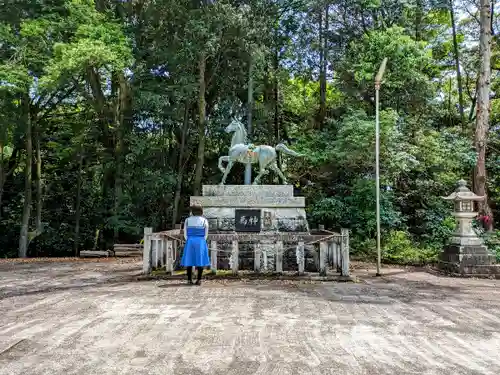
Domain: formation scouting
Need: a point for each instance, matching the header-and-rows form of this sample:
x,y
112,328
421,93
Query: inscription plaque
x,y
247,220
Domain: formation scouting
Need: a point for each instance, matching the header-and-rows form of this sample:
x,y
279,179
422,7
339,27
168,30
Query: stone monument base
x,y
279,210
280,215
468,260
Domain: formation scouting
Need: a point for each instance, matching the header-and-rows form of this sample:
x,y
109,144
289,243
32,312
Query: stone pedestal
x,y
280,213
280,210
261,228
466,254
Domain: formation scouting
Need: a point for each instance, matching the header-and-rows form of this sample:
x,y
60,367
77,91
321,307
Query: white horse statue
x,y
245,153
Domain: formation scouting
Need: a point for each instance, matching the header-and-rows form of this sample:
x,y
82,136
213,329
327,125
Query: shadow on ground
x,y
397,285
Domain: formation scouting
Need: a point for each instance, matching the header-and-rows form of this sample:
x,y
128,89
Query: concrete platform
x,y
248,201
275,202
248,190
86,318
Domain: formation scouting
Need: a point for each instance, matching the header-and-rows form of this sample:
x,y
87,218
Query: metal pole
x,y
378,81
377,173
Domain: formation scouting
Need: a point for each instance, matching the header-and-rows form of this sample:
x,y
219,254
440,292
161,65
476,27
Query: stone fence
x,y
260,252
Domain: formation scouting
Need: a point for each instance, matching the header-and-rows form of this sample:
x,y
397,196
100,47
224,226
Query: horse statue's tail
x,y
281,147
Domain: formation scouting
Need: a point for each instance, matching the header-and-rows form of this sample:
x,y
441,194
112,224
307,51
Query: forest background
x,y
112,114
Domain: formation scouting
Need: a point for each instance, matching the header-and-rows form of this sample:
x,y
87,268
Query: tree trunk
x,y
76,238
323,66
492,17
118,188
121,118
276,102
2,175
250,97
39,182
107,120
180,165
457,67
23,236
419,11
198,174
248,167
450,111
483,109
6,171
269,103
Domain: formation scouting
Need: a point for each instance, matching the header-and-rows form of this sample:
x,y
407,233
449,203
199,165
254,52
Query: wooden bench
x,y
94,253
127,250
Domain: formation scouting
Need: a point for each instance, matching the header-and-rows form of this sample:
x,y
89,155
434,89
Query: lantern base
x,y
460,240
479,271
468,260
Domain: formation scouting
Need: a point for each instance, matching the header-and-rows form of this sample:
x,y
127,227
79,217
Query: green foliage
x,y
407,81
301,97
96,42
355,209
399,248
492,241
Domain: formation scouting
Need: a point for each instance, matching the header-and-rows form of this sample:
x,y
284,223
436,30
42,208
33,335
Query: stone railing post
x,y
175,245
169,262
323,250
146,251
160,248
336,258
345,252
267,264
264,256
279,257
301,257
235,257
256,259
154,250
213,256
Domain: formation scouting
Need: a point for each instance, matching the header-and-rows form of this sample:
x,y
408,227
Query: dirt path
x,y
92,318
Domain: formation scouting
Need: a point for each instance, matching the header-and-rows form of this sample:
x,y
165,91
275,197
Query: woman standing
x,y
196,249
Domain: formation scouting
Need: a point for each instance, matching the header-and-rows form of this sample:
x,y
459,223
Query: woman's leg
x,y
189,271
200,274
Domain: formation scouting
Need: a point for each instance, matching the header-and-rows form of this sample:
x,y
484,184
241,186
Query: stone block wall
x,y
470,255
246,257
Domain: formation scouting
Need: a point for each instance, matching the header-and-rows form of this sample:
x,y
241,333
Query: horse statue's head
x,y
240,133
235,126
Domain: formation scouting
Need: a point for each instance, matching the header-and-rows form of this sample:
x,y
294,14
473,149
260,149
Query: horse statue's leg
x,y
262,172
263,163
275,168
226,172
222,159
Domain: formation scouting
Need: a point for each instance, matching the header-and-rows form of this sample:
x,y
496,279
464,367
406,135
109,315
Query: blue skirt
x,y
195,250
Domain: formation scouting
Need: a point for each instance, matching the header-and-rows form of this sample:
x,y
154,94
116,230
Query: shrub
x,y
492,240
364,249
399,248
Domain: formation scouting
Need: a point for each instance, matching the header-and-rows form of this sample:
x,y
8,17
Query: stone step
x,y
248,190
248,201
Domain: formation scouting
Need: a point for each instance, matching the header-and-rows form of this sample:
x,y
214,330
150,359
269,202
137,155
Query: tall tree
x,y
324,34
456,54
202,113
483,108
23,236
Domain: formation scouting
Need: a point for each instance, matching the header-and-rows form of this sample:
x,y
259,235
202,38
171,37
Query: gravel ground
x,y
93,317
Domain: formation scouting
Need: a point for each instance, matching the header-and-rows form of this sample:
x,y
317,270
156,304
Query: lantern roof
x,y
462,193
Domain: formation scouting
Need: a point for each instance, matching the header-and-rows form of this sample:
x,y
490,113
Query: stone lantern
x,y
464,212
466,252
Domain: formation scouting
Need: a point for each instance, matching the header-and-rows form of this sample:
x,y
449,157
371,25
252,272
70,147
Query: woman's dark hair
x,y
196,210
